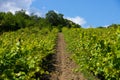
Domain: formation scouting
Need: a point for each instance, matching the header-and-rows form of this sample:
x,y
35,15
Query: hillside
x,y
54,48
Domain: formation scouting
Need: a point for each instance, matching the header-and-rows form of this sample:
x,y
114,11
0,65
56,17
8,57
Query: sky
x,y
84,12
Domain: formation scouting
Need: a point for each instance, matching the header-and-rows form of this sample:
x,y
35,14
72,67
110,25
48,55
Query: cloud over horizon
x,y
77,20
15,5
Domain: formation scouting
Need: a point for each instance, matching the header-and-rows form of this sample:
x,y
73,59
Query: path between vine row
x,y
64,66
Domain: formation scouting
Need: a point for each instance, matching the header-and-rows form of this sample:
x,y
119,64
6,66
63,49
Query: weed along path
x,y
64,66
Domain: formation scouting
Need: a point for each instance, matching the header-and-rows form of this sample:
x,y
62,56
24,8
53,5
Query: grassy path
x,y
64,66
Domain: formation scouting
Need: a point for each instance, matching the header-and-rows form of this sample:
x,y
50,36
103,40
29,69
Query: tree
x,y
7,22
52,17
113,26
22,19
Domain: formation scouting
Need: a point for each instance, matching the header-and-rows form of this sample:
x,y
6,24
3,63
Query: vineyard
x,y
54,47
24,53
95,50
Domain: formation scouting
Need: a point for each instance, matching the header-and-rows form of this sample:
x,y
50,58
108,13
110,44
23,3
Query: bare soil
x,y
64,66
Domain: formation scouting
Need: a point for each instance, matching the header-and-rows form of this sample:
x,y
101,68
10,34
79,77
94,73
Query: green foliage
x,y
10,22
96,50
7,21
54,18
57,20
23,53
114,26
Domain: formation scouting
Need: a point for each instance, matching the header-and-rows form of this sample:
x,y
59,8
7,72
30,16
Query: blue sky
x,y
84,12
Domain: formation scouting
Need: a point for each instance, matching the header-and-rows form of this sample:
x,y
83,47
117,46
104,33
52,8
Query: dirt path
x,y
64,66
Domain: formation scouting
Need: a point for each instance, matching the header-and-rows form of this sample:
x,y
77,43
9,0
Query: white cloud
x,y
106,26
37,12
77,20
15,5
56,11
